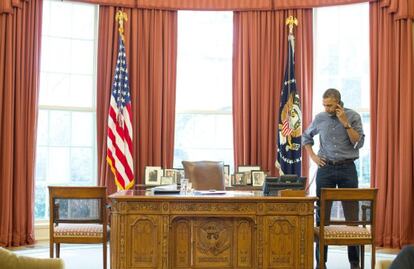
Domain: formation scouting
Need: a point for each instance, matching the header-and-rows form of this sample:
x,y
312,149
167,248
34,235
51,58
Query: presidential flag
x,y
119,152
289,159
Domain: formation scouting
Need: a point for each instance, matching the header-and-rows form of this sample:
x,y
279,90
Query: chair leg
x,y
51,247
362,254
321,255
57,250
104,254
373,256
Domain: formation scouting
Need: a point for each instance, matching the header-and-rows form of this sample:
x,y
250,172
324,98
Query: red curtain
x,y
402,9
20,33
7,6
236,5
259,60
151,47
392,122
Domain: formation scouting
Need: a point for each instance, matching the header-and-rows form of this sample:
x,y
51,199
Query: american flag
x,y
119,152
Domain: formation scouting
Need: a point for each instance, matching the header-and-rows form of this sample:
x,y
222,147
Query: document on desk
x,y
210,192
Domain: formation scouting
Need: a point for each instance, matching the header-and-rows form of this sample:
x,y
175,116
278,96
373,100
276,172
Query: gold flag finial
x,y
291,21
120,18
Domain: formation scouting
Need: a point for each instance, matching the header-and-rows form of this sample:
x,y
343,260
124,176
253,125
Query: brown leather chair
x,y
357,229
205,175
78,216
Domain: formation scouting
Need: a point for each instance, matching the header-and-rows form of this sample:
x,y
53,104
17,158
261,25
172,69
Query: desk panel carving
x,y
211,232
212,207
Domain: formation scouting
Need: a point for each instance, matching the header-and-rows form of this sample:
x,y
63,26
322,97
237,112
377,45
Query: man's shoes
x,y
317,266
355,265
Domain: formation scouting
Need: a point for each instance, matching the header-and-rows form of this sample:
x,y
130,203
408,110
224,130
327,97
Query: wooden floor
x,y
90,256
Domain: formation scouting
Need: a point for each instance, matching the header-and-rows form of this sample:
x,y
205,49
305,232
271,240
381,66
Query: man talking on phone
x,y
341,136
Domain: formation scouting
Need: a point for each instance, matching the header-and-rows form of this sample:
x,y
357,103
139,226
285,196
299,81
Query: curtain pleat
x,y
20,36
259,60
402,9
392,136
236,5
151,47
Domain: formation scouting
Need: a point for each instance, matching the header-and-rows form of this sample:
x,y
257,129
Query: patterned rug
x,y
90,256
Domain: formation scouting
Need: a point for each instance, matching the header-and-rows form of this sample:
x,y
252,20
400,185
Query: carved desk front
x,y
232,230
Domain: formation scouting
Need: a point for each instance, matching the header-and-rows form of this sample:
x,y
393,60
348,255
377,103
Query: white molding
x,y
42,230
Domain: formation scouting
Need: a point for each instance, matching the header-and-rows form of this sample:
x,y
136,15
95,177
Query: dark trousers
x,y
404,259
341,176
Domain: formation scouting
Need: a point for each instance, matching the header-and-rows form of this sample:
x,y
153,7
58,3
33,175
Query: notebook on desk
x,y
166,189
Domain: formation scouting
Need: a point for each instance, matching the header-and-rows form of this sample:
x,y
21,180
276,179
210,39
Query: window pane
x,y
204,60
81,165
200,137
81,62
43,128
66,149
59,135
53,60
58,165
81,91
203,126
341,37
83,129
87,13
41,163
342,54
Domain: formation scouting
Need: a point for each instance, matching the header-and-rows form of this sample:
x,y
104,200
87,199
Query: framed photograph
x,y
153,175
167,180
248,169
226,170
179,174
239,179
169,173
258,178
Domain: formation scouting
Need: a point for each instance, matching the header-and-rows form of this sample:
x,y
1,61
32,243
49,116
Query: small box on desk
x,y
273,185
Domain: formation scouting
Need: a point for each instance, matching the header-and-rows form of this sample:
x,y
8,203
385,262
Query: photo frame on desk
x,y
179,174
170,173
153,175
248,169
239,179
226,171
258,177
167,180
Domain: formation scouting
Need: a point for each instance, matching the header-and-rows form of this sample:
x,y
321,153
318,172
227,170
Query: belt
x,y
340,162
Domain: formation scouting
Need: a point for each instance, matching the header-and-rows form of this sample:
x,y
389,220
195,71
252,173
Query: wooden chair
x,y
205,175
78,216
359,227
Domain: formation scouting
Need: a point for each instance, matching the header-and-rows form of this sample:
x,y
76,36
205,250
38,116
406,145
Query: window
x,y
203,127
341,60
66,144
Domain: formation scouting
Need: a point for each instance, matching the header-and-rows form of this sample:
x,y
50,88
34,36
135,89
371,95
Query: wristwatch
x,y
348,126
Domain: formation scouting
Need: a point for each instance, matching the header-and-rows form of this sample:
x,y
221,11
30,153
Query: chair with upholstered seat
x,y
78,216
359,227
205,175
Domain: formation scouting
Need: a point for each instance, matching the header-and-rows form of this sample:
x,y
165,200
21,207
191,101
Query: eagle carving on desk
x,y
213,238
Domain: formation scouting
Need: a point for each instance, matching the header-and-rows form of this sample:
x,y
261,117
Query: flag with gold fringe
x,y
119,140
289,157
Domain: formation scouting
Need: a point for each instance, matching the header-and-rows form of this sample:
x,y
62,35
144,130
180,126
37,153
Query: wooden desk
x,y
232,230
